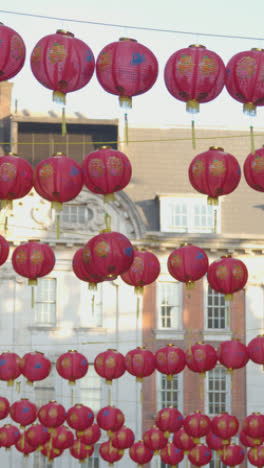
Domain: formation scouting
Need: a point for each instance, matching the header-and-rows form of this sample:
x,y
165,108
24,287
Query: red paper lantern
x,y
80,417
253,426
126,68
16,177
183,441
256,456
23,446
201,358
90,436
171,455
188,264
62,438
80,451
232,455
225,426
232,354
197,425
52,414
33,260
9,367
4,250
72,366
106,171
37,435
4,407
169,420
81,272
256,349
249,441
58,179
63,63
194,75
154,439
13,53
254,170
144,270
9,435
109,453
35,366
108,255
200,455
214,173
214,442
170,360
50,452
227,276
110,419
110,365
23,412
140,362
123,439
244,79
140,454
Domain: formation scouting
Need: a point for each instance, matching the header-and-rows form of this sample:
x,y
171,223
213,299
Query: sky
x,y
156,107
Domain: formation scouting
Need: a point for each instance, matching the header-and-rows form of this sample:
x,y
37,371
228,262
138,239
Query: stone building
x,y
159,210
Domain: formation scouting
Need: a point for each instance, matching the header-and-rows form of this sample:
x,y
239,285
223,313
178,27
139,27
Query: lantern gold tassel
x,y
92,302
252,143
193,135
58,226
109,396
63,123
169,449
217,460
126,127
32,297
18,385
138,307
202,377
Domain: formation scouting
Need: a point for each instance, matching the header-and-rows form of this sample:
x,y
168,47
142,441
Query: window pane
x,y
216,310
169,305
74,214
169,392
217,391
45,301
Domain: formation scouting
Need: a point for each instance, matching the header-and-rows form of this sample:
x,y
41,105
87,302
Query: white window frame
x,y
83,388
189,200
215,330
75,223
159,377
228,392
168,279
47,324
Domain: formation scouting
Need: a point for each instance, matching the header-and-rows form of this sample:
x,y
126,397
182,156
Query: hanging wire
x,y
128,26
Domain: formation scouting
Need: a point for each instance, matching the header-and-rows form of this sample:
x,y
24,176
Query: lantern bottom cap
x,y
190,284
229,297
249,108
212,200
193,106
59,96
125,102
7,204
109,197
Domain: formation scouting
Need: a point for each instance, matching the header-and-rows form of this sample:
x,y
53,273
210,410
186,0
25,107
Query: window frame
x,y
47,324
159,377
214,330
75,223
166,279
189,199
228,391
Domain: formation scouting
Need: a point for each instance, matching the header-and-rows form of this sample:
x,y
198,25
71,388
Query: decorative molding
x,y
169,334
217,335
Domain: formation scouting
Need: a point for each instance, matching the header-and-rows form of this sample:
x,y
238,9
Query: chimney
x,y
5,112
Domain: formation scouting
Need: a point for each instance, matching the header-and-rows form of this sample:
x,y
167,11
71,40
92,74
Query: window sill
x,y
217,335
86,328
42,327
169,333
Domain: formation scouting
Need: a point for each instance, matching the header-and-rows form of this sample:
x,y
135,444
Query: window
x,y
90,389
169,392
188,214
215,461
216,310
41,462
75,214
91,305
169,304
218,391
45,301
45,389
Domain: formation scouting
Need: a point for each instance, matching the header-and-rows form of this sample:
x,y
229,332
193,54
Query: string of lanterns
x,y
140,362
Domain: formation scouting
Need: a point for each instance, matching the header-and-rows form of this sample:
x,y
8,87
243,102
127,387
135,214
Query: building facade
x,y
159,210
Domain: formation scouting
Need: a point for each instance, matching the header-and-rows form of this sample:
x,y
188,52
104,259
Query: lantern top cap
x,y
11,153
112,349
258,48
170,344
58,154
72,350
122,39
226,256
105,147
184,244
64,33
38,352
216,148
197,46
